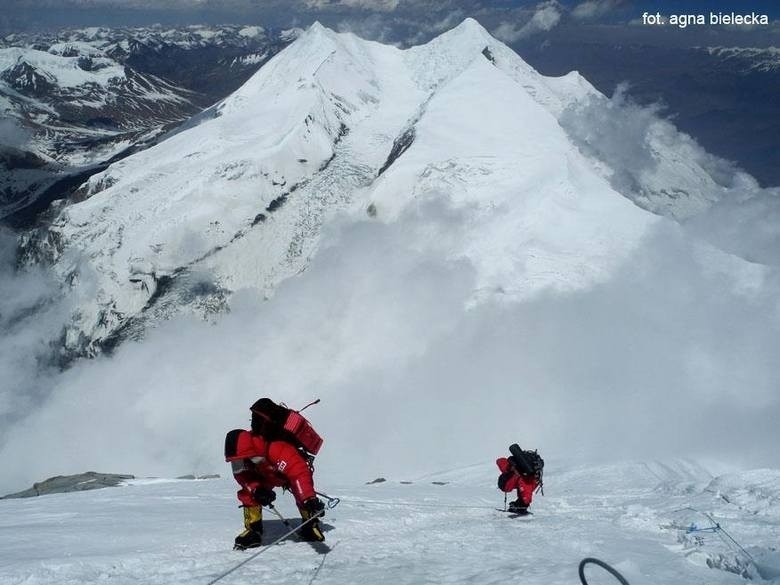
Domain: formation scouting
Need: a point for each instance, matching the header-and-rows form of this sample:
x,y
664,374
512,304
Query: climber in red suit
x,y
524,476
259,466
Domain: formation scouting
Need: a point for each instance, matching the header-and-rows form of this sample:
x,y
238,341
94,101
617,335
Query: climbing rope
x,y
322,562
415,505
266,547
716,528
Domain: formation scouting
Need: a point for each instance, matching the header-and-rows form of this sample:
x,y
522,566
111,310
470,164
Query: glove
x,y
314,506
264,496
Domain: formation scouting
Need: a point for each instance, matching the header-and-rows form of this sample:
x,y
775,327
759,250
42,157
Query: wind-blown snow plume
x,y
665,171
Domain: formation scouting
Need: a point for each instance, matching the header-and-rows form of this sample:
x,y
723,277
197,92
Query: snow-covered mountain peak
x,y
335,124
444,56
466,34
75,48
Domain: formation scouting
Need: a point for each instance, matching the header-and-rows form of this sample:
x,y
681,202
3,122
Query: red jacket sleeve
x,y
503,464
288,462
509,480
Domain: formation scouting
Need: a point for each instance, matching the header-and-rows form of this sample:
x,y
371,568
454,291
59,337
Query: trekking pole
x,y
332,502
279,514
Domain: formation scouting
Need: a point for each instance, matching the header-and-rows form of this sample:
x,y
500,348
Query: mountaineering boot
x,y
311,532
518,507
252,536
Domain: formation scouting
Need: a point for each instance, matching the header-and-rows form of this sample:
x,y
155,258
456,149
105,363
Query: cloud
x,y
375,27
13,134
667,172
546,16
399,30
593,9
415,377
374,5
32,315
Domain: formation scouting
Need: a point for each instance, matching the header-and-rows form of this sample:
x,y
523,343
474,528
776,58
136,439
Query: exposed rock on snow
x,y
90,480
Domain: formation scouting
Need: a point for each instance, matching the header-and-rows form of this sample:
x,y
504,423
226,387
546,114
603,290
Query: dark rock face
x,y
25,79
59,484
400,146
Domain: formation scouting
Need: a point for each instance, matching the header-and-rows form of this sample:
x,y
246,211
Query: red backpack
x,y
276,422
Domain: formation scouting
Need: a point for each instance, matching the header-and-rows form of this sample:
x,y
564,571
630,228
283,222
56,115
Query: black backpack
x,y
527,462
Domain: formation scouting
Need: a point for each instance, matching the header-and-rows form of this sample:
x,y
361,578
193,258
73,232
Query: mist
x,y
32,314
673,357
13,134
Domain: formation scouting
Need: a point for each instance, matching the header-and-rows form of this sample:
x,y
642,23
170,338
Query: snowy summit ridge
x,y
335,124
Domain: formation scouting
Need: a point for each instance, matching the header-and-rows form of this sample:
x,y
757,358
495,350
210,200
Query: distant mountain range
x,y
76,100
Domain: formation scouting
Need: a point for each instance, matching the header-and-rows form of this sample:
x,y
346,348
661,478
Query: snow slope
x,y
633,516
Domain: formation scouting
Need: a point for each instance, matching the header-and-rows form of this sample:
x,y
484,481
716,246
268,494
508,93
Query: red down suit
x,y
258,463
511,479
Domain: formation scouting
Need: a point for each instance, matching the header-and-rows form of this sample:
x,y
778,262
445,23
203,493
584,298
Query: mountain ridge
x,y
239,200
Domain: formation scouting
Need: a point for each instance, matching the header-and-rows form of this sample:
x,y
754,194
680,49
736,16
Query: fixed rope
x,y
716,528
266,547
416,505
322,562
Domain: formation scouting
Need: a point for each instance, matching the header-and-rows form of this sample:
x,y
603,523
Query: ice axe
x,y
332,502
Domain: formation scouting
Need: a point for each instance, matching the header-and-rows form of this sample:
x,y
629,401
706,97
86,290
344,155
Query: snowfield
x,y
632,515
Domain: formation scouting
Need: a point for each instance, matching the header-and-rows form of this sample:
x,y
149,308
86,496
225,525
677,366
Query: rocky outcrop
x,y
90,480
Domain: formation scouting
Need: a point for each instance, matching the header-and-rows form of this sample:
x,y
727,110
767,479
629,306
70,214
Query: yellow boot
x,y
312,531
252,536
